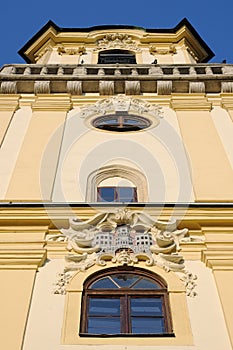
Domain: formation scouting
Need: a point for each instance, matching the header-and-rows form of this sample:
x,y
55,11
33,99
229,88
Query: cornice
x,y
52,102
185,102
227,101
22,259
9,103
196,217
218,260
50,31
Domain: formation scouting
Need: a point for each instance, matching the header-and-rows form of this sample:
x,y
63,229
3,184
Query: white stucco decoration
x,y
122,103
125,237
117,41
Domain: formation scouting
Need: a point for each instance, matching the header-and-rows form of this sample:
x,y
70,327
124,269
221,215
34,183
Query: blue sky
x,y
20,20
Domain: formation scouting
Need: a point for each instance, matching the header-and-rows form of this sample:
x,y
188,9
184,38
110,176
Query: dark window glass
x,y
116,56
108,325
146,326
125,303
121,122
104,307
116,194
104,283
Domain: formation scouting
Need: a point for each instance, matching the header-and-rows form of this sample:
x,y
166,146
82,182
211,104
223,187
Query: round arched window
x,y
121,122
125,302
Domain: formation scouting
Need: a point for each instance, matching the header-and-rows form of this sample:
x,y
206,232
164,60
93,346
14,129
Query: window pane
x,y
146,306
124,280
103,283
145,284
106,325
106,194
104,307
142,325
125,194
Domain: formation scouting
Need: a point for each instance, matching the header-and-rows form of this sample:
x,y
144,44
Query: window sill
x,y
124,335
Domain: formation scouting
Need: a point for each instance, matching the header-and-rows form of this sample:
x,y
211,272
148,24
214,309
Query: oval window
x,y
121,122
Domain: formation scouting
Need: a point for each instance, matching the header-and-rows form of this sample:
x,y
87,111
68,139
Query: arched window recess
x,y
137,191
125,302
116,56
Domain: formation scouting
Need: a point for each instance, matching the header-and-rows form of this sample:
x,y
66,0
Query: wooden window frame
x,y
125,294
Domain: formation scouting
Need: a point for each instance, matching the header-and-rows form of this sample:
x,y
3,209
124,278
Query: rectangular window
x,y
117,194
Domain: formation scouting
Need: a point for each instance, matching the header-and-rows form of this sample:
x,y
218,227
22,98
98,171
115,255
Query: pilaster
x,y
35,168
210,167
227,103
17,272
8,105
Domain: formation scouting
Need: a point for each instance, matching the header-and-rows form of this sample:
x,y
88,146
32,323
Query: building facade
x,y
116,225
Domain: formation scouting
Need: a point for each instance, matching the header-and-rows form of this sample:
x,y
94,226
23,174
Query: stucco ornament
x,y
126,237
121,103
116,41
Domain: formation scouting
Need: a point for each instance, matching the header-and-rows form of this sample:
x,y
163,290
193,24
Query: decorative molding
x,y
79,70
162,51
226,86
117,41
74,87
209,71
125,237
44,70
8,70
176,71
106,87
190,103
218,260
132,87
192,71
42,87
62,281
121,103
192,53
155,70
8,87
9,103
42,53
116,170
62,50
52,103
227,69
164,87
18,258
190,284
196,87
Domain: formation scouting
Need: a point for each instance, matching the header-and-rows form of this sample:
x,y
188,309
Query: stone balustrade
x,y
132,79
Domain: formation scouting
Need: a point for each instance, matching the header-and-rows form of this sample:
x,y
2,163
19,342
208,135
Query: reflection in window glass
x,y
116,194
126,303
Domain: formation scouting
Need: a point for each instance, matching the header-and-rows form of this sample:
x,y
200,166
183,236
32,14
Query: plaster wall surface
x,y
158,152
47,312
224,127
11,146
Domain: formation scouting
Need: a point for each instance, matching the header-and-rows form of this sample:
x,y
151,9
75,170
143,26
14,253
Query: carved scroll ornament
x,y
117,41
121,103
125,237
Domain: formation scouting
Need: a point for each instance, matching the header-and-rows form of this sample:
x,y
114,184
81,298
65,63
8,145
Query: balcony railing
x,y
117,78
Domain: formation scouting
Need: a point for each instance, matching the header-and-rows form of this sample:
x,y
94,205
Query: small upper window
x,y
116,56
117,194
121,122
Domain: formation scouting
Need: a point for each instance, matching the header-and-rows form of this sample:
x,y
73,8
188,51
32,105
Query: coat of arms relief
x,y
124,237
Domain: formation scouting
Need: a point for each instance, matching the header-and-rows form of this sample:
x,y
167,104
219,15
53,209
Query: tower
x,y
116,191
